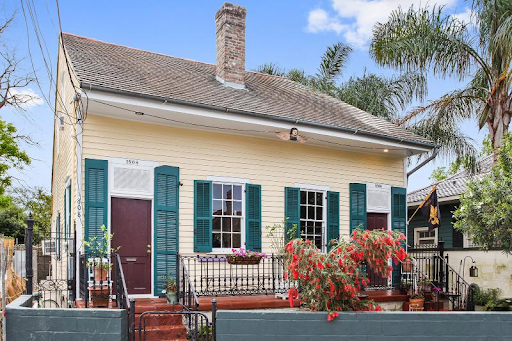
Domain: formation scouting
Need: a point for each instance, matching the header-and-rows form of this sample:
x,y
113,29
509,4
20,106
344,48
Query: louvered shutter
x,y
333,217
292,212
357,206
166,220
96,182
253,217
202,216
398,220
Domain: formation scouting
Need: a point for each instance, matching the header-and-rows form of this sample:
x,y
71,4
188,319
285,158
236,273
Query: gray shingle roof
x,y
136,71
455,184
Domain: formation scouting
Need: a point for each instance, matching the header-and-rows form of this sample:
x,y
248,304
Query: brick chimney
x,y
230,30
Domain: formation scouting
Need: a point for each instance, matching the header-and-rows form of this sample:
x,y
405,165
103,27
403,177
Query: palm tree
x,y
380,96
427,40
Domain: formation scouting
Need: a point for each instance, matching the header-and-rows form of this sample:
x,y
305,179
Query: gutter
x,y
87,86
418,167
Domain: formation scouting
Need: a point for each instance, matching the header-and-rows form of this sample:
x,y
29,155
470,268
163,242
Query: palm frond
x,y
425,40
271,69
333,61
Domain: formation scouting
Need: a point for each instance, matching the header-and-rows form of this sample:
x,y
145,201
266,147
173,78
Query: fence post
x,y
178,277
214,319
132,320
440,261
29,271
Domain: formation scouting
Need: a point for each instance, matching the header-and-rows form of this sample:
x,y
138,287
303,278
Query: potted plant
x,y
426,285
98,252
245,257
170,288
485,299
407,264
417,299
405,286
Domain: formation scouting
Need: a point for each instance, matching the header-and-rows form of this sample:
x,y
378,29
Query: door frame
x,y
138,164
388,218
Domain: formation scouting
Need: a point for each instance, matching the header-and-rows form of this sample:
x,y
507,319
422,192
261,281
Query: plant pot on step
x,y
171,297
240,260
100,273
100,296
417,302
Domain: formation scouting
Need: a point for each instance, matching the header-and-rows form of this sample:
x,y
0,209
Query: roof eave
x,y
88,86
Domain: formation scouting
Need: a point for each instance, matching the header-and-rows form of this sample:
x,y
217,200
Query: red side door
x,y
131,225
376,221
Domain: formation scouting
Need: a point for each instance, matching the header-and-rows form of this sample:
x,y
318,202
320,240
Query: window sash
x,y
231,216
305,219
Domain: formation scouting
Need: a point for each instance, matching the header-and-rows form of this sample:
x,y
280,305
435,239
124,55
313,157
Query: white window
x,y
468,242
228,216
422,236
312,216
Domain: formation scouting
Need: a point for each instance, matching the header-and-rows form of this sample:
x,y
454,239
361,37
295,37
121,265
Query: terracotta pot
x,y
100,296
171,297
100,273
419,302
239,260
407,266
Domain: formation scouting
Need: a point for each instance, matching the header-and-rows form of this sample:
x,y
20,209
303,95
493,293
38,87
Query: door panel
x,y
376,221
131,225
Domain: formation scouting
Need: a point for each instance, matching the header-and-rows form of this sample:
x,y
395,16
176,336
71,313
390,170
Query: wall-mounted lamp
x,y
473,271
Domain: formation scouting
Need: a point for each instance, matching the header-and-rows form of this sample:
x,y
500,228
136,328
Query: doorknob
x,y
148,249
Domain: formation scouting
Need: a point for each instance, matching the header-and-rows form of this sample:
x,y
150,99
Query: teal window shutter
x,y
333,217
96,197
357,206
57,232
253,217
292,212
398,220
203,216
166,224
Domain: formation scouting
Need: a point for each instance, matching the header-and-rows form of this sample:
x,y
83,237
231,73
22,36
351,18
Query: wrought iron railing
x,y
187,295
455,288
378,282
122,300
212,275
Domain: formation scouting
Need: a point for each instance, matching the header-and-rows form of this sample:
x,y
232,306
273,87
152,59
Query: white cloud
x,y
28,96
466,16
354,19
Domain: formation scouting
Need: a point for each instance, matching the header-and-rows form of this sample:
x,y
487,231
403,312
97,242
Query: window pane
x,y
319,213
226,224
236,224
237,192
216,240
319,199
216,224
318,242
228,191
217,207
237,208
303,212
311,198
303,195
311,212
217,191
228,207
226,240
237,242
302,227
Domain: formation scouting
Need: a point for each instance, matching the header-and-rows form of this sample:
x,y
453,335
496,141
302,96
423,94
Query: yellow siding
x,y
271,164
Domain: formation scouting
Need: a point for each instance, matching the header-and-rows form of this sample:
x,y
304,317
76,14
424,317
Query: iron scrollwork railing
x,y
212,275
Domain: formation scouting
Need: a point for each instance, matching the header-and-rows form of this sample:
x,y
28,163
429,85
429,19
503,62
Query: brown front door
x,y
131,225
376,221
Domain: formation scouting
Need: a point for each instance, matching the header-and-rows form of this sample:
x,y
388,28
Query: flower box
x,y
241,260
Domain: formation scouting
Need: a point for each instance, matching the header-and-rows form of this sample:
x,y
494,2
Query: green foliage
x,y
277,235
100,247
37,201
485,211
428,40
485,296
11,156
12,222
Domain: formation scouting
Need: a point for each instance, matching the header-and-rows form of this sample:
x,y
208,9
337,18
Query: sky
x,y
291,34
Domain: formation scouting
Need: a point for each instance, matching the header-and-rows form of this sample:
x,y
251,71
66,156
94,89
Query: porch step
x,y
154,320
245,302
175,333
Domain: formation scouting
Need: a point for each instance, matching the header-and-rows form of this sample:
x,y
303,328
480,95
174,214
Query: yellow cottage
x,y
176,156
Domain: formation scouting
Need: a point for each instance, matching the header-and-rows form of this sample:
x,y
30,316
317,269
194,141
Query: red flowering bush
x,y
330,282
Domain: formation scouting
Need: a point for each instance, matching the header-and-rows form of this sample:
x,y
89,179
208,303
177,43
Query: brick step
x,y
159,319
165,333
149,306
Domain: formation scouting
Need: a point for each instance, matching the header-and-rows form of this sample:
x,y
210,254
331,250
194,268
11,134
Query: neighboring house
x,y
174,155
494,267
